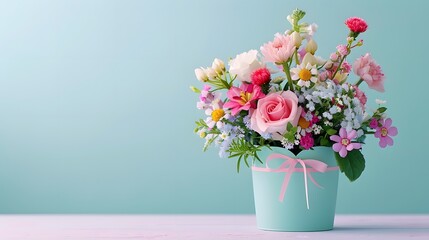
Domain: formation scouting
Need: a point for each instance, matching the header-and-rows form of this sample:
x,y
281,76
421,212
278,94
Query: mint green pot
x,y
291,214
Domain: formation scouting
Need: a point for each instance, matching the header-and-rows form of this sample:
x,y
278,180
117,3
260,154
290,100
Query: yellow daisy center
x,y
384,132
303,123
304,74
217,114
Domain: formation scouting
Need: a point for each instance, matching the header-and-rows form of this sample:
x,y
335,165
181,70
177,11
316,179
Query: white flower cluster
x,y
331,99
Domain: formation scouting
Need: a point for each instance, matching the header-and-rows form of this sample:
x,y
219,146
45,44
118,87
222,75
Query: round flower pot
x,y
282,200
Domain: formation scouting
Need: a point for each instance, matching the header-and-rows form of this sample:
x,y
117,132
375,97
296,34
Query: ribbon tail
x,y
306,185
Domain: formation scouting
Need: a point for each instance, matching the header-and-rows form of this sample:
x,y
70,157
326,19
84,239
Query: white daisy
x,y
216,114
304,74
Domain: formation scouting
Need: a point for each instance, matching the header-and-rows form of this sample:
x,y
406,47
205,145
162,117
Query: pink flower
x,y
307,141
315,119
374,123
301,53
279,50
368,70
260,76
357,25
343,50
274,112
359,94
205,93
333,57
243,98
344,142
385,132
207,97
323,76
346,67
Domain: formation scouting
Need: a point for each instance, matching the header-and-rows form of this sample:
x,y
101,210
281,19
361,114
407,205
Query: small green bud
x,y
359,43
194,89
298,14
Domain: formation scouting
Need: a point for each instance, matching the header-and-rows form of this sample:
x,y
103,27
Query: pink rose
x,y
368,70
274,112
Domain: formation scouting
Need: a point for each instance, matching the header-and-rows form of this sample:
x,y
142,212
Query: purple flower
x,y
385,132
344,142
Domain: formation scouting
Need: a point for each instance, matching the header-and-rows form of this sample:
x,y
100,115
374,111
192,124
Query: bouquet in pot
x,y
286,96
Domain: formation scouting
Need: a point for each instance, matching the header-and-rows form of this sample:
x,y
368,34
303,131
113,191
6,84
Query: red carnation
x,y
356,25
261,76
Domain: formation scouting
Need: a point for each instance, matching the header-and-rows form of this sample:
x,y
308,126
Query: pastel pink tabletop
x,y
202,227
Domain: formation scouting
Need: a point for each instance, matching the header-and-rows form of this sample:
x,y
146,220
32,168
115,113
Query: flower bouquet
x,y
286,99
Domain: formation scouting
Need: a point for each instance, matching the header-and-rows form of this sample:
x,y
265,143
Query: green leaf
x,y
289,126
238,164
382,109
324,142
245,160
257,158
331,131
352,165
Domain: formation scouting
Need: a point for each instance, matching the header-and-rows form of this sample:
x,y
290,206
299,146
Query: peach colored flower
x,y
368,70
279,50
274,112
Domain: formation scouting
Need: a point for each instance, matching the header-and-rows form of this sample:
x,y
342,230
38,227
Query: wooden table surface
x,y
202,227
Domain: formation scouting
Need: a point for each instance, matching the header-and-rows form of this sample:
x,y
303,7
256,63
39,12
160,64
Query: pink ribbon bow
x,y
289,167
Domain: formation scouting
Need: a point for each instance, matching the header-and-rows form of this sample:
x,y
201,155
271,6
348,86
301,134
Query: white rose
x,y
244,64
201,75
218,65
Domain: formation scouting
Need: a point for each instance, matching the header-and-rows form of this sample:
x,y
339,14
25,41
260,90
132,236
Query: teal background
x,y
96,115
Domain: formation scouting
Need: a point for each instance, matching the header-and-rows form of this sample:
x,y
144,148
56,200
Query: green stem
x,y
358,82
286,69
339,66
223,81
342,60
